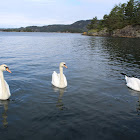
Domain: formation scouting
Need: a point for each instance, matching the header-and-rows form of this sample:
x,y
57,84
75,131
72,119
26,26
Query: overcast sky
x,y
21,13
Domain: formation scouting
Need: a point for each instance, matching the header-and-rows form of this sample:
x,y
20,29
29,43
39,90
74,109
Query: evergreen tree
x,y
130,12
119,17
93,24
137,12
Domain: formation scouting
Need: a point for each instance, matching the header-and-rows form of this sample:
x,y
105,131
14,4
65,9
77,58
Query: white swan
x,y
59,80
132,82
4,87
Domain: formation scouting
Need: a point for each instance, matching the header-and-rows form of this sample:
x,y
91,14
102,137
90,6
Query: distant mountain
x,y
77,27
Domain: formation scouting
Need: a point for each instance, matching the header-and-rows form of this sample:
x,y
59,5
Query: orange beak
x,y
7,69
65,66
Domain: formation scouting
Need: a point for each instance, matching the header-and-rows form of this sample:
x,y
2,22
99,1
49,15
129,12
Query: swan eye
x,y
5,67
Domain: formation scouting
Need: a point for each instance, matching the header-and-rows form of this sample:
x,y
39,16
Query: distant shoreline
x,y
38,32
76,27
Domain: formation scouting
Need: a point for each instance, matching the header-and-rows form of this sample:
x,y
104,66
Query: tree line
x,y
119,17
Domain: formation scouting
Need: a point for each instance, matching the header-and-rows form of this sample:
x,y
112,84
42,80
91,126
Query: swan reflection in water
x,y
138,107
61,91
4,104
136,93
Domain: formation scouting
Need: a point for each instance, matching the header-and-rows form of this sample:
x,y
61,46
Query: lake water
x,y
96,105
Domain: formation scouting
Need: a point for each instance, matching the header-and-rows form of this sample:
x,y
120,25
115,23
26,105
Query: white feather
x,y
4,96
56,79
59,80
4,87
133,83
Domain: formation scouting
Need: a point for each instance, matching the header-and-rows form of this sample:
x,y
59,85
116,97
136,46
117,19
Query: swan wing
x,y
65,80
133,83
55,79
0,89
8,89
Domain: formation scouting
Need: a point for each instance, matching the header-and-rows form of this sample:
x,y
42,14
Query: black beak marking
x,y
6,67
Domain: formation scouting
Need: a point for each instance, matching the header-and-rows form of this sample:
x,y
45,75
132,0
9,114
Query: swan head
x,y
4,67
63,64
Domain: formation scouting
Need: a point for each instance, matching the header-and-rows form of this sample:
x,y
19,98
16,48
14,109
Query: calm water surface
x,y
96,105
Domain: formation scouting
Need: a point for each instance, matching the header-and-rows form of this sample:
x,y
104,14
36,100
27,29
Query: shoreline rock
x,y
130,31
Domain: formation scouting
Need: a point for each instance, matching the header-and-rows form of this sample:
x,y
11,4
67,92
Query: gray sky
x,y
17,13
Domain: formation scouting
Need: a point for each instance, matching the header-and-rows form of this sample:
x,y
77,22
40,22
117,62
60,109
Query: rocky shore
x,y
131,31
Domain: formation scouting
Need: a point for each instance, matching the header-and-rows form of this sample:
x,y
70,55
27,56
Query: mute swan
x,y
59,80
4,87
132,82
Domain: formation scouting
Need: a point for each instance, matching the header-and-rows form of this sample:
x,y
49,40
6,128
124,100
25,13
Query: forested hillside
x,y
121,15
77,27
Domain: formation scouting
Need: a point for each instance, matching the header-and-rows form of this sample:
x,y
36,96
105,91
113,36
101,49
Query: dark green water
x,y
96,105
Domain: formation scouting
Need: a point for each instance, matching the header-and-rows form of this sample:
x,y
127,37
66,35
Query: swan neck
x,y
61,77
1,76
61,71
3,85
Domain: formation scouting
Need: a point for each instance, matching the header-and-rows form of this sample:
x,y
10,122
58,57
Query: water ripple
x,y
96,104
